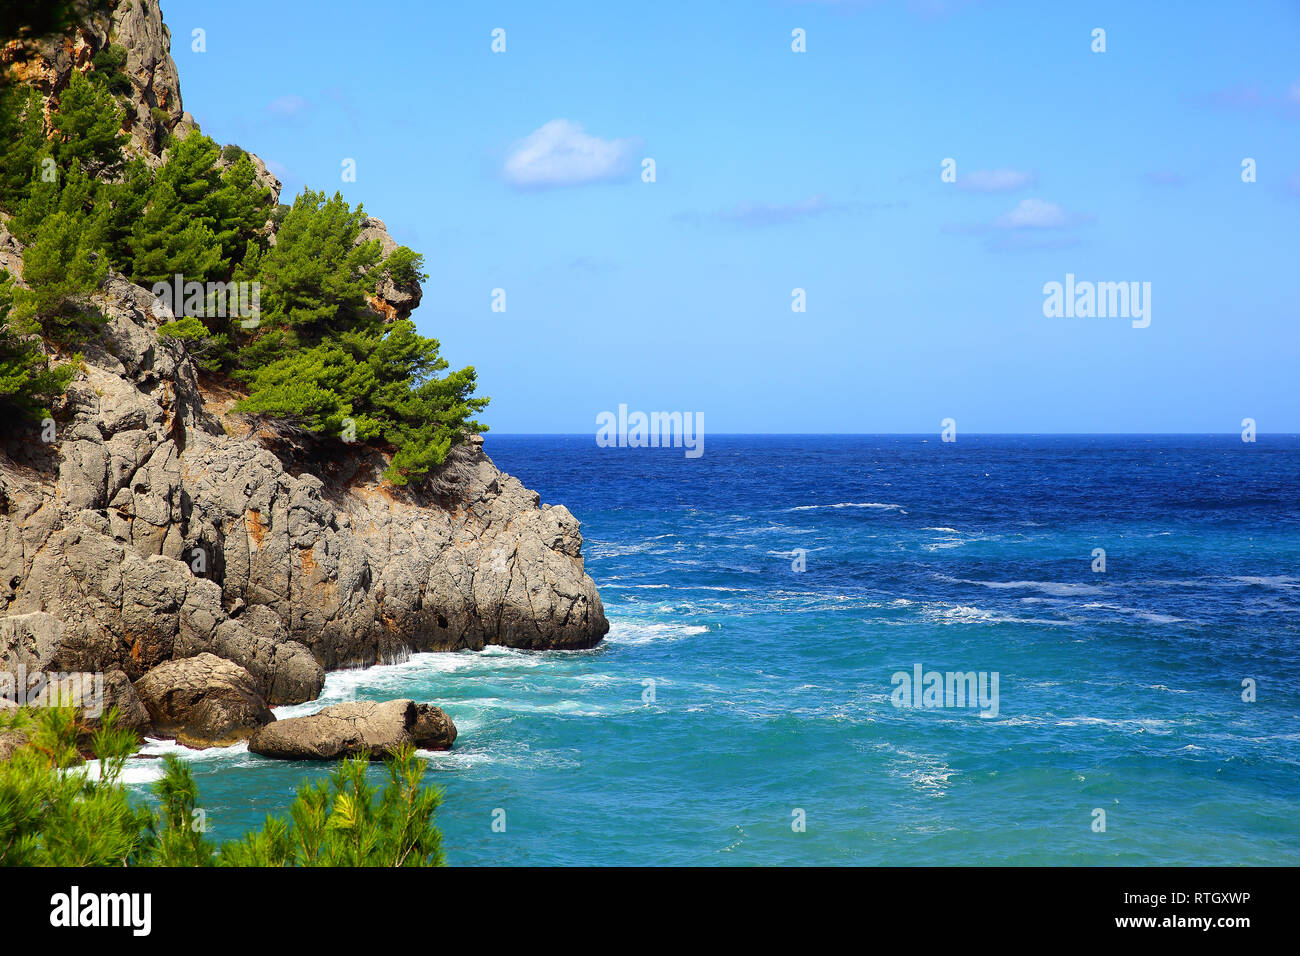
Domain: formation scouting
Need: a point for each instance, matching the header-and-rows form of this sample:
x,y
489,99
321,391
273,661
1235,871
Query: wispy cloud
x,y
1164,177
775,214
1250,97
343,102
758,214
288,107
1031,224
995,180
593,264
560,153
1034,214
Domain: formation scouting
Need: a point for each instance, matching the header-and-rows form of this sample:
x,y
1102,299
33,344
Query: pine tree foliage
x,y
28,382
319,354
87,126
56,810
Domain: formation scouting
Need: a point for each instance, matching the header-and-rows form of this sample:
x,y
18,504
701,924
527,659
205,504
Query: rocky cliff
x,y
148,523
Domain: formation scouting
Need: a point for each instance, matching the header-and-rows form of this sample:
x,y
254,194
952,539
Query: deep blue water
x,y
1118,690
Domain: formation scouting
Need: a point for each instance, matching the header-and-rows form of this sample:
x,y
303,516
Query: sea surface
x,y
742,711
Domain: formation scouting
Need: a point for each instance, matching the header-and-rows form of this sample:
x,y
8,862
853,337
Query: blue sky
x,y
820,170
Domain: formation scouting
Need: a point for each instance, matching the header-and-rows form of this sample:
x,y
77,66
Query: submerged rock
x,y
346,730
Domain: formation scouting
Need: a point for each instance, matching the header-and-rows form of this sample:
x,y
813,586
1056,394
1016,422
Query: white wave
x,y
401,679
146,767
1154,617
1054,588
1143,725
1281,581
523,757
928,773
135,773
967,614
158,747
884,506
609,549
635,633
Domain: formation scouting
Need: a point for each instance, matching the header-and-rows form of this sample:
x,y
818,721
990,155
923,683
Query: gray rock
x,y
120,693
346,730
285,670
203,701
46,63
392,299
96,694
159,525
29,641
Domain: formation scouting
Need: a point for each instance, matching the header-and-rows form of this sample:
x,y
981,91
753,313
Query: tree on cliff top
x,y
324,359
320,355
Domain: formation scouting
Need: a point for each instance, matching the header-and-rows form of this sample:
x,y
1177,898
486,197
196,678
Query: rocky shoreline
x,y
209,565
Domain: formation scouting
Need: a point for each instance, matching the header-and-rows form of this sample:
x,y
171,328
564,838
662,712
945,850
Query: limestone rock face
x,y
150,529
96,694
203,701
154,103
29,641
146,523
346,730
393,299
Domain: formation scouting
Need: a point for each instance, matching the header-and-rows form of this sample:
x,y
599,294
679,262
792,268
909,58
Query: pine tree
x,y
210,350
316,278
22,143
348,822
167,241
120,205
56,810
87,127
176,232
28,384
240,208
62,267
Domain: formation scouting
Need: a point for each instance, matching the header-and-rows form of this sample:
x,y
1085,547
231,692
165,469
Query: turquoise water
x,y
1118,690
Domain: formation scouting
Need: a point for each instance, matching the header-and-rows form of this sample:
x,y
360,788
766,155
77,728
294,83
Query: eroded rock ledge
x,y
157,527
153,528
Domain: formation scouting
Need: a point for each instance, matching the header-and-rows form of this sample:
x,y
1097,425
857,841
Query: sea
x,y
794,620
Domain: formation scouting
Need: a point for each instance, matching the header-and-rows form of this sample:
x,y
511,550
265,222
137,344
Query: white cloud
x,y
559,153
995,180
1034,214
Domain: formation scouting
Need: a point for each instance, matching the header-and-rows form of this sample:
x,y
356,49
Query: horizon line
x,y
1283,434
